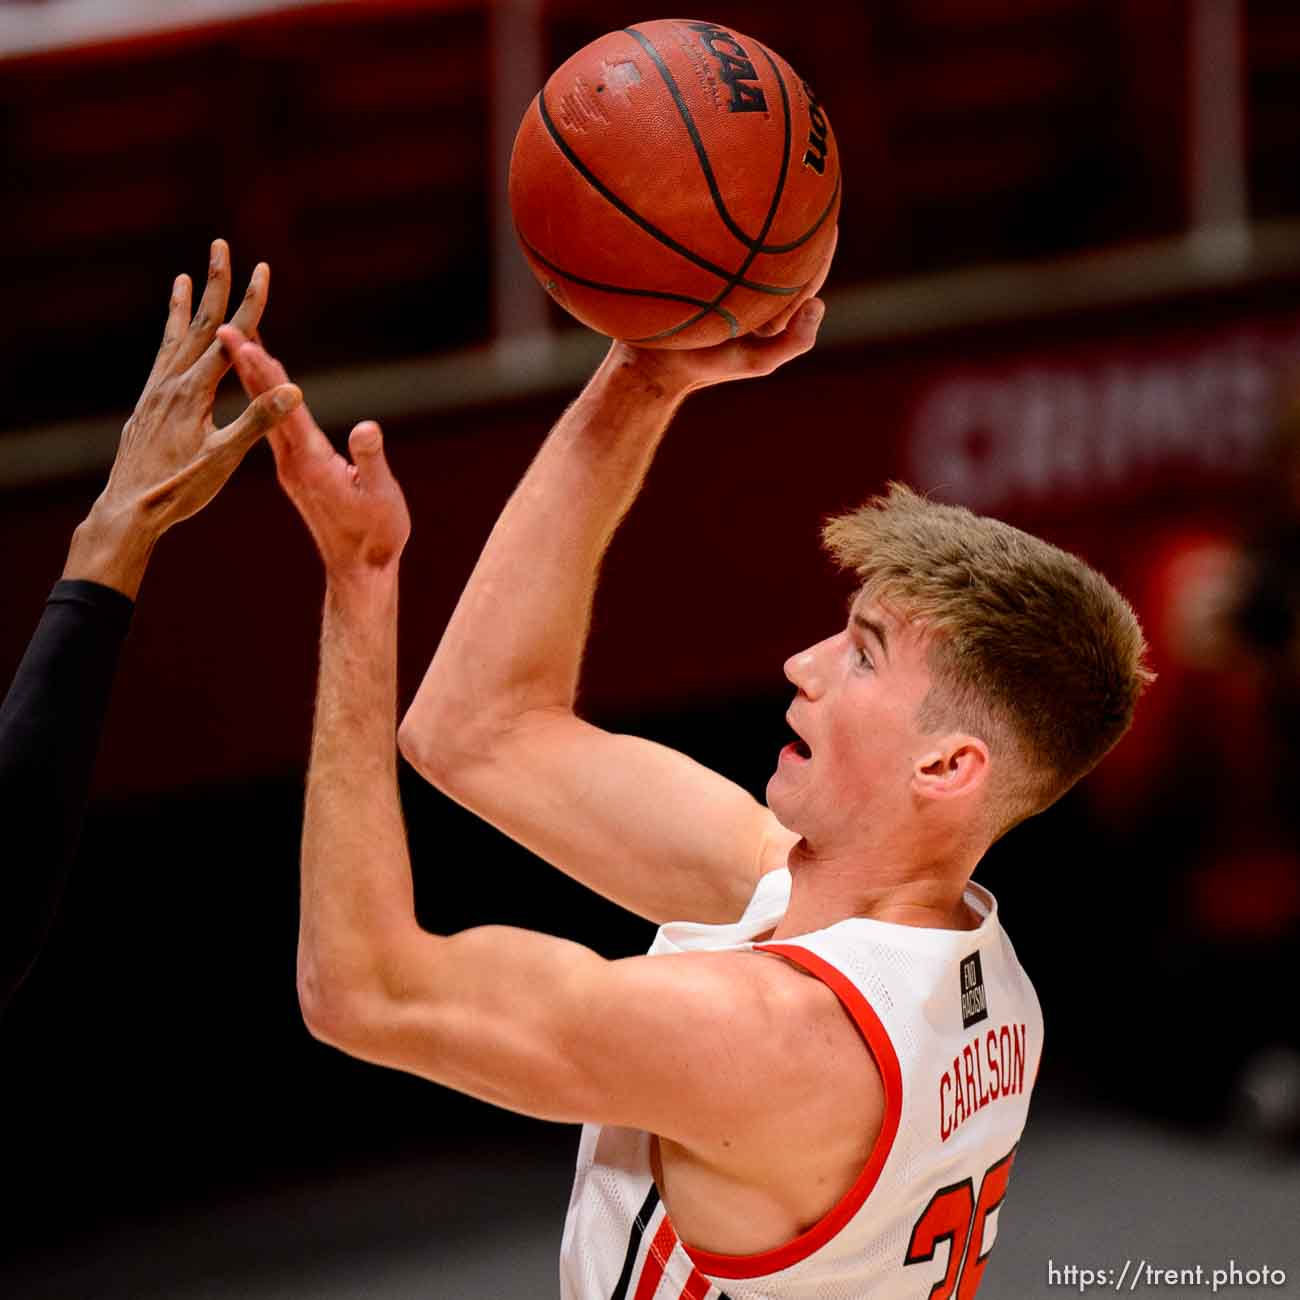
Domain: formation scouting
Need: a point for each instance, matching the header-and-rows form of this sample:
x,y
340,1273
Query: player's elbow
x,y
323,1005
446,752
359,1001
417,742
336,1012
431,752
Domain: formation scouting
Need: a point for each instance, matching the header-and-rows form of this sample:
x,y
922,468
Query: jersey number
x,y
955,1216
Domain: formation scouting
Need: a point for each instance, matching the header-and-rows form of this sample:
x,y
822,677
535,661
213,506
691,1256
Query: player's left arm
x,y
687,1046
524,1021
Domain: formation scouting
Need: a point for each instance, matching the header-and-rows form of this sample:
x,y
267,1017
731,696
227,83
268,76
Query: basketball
x,y
675,184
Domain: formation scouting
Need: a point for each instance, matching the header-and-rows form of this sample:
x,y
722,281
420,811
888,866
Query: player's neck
x,y
884,886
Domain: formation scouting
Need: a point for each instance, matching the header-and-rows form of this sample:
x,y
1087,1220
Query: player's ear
x,y
953,767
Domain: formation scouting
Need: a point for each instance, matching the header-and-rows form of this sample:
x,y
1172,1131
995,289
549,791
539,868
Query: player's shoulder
x,y
740,992
809,1018
797,1029
787,1069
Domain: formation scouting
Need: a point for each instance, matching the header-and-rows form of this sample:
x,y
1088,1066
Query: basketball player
x,y
814,1085
170,463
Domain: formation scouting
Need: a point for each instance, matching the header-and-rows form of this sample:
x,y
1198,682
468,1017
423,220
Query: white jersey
x,y
956,1031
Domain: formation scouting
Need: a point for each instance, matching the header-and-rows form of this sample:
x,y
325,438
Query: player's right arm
x,y
493,724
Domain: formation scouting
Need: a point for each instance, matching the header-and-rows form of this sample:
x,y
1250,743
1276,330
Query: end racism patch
x,y
974,1001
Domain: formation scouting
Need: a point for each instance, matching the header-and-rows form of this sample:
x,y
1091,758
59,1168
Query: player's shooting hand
x,y
789,334
172,459
354,508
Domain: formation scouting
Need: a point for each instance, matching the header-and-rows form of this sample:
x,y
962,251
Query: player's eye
x,y
862,658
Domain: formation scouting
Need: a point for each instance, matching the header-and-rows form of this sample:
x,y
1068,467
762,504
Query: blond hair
x,y
1032,650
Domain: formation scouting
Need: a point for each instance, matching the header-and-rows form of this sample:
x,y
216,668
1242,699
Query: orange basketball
x,y
675,184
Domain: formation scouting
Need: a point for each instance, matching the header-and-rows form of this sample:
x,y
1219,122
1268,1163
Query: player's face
x,y
859,694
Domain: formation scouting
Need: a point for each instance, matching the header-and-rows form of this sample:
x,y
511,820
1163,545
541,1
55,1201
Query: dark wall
x,y
351,146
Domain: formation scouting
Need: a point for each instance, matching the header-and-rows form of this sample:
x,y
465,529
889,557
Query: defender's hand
x,y
354,509
172,459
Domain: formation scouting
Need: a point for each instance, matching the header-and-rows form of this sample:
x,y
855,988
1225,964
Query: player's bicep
x,y
551,1029
642,824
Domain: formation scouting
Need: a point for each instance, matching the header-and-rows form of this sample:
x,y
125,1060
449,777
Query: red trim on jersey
x,y
869,1026
656,1260
696,1288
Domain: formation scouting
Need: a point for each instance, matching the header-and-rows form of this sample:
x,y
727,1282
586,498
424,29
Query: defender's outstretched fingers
x,y
248,316
212,307
214,362
178,316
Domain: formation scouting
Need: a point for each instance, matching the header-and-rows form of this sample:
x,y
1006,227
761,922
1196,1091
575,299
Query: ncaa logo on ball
x,y
735,68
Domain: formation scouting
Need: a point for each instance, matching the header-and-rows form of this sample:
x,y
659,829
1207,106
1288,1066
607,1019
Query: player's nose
x,y
804,670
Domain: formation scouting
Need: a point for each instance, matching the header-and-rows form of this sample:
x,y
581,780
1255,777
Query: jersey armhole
x,y
835,1219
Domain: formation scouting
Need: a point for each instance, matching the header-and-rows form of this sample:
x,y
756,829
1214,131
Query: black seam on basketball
x,y
693,131
785,160
667,240
762,234
811,231
732,323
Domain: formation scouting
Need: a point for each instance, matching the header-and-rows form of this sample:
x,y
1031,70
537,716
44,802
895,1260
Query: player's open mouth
x,y
798,748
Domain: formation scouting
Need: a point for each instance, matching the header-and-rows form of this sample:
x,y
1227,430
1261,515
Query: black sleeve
x,y
50,725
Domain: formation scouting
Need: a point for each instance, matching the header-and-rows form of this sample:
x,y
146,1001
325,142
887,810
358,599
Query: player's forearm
x,y
357,902
112,549
515,642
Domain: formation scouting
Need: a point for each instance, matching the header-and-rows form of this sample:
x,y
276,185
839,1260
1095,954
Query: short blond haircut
x,y
1032,650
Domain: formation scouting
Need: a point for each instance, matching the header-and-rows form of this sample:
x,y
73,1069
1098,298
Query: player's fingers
x,y
808,292
259,371
780,322
366,447
387,522
802,330
261,415
216,360
212,307
769,329
795,339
